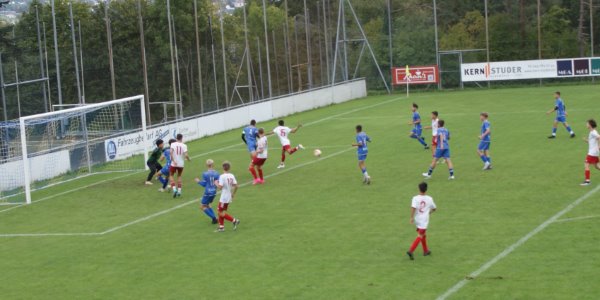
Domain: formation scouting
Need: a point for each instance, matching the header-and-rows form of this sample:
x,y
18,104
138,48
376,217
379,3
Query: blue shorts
x,y
165,170
445,153
483,146
562,119
362,157
251,147
206,200
417,131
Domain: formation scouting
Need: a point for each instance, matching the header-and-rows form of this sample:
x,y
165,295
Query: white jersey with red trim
x,y
593,142
262,148
282,133
227,182
423,205
434,127
178,152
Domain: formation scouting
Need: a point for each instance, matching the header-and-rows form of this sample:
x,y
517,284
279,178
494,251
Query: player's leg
x,y
261,176
206,201
179,181
423,234
221,212
450,166
433,164
253,172
282,164
568,128
151,173
414,244
172,177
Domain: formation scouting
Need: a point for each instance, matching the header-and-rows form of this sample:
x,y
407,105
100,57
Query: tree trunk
x,y
580,34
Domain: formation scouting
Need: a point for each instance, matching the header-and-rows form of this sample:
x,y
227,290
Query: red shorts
x,y
222,206
421,231
258,161
592,160
173,170
286,147
433,142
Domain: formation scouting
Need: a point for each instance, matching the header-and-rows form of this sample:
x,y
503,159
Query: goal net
x,y
45,150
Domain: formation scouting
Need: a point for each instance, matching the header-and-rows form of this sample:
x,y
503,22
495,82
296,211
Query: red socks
x,y
223,218
424,243
253,172
221,221
414,245
228,218
293,150
587,175
283,156
260,174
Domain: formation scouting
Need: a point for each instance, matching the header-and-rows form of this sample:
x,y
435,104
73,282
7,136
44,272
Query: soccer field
x,y
524,230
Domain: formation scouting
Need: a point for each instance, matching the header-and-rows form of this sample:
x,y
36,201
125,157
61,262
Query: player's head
x,y
179,137
253,122
441,123
557,94
226,166
159,143
591,123
415,107
171,141
261,131
434,114
210,163
483,116
358,128
281,123
423,187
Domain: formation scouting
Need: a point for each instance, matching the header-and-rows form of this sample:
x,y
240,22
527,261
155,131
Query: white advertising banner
x,y
530,69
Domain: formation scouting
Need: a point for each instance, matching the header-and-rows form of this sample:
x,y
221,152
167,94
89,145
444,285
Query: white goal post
x,y
69,144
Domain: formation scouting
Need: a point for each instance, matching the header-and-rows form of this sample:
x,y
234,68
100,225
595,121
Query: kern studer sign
x,y
531,69
415,75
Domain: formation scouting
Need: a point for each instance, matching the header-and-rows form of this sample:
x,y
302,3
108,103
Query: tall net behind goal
x,y
45,150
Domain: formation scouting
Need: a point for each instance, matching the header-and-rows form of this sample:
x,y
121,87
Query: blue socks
x,y
451,172
569,129
485,159
210,213
364,170
430,171
554,131
422,141
164,181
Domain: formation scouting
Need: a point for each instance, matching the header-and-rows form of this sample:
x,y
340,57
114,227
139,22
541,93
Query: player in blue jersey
x,y
362,150
417,126
442,151
561,116
163,174
249,135
210,189
484,144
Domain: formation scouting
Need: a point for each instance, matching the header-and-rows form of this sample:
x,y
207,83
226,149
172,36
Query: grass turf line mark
x,y
516,245
576,219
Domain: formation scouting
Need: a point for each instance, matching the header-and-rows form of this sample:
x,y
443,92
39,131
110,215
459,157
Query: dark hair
x,y
280,123
159,142
171,141
415,105
179,136
435,113
484,114
423,187
441,123
592,123
557,92
253,122
226,166
358,128
261,130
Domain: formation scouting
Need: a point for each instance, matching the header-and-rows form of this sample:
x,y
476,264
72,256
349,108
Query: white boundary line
x,y
576,219
206,153
517,244
166,211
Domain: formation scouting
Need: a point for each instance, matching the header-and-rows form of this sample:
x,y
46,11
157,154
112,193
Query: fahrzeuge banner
x,y
530,69
415,75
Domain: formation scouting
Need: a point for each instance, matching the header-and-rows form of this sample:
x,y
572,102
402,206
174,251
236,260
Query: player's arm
x,y
432,210
296,129
244,138
187,157
412,215
201,182
552,110
486,133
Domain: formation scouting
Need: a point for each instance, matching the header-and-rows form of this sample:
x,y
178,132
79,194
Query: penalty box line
x,y
166,211
205,153
459,285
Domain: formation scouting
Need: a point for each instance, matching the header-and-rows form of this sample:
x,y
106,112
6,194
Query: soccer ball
x,y
317,152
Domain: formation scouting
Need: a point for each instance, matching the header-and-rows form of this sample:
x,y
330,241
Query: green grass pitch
x,y
314,231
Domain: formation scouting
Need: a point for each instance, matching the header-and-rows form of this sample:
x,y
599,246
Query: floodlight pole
x,y
592,33
487,36
75,60
81,63
173,80
308,52
325,30
437,43
110,50
389,16
267,48
39,40
201,87
144,64
56,54
223,56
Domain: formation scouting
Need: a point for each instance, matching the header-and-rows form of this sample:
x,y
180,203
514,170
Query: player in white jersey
x,y
228,186
434,128
422,206
593,141
258,161
179,154
283,133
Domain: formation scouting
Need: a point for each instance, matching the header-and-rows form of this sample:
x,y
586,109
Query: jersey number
x,y
178,150
282,132
422,206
